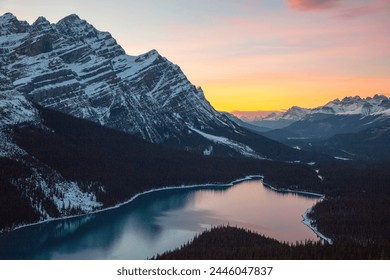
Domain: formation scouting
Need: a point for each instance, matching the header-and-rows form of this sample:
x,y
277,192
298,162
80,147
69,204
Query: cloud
x,y
312,5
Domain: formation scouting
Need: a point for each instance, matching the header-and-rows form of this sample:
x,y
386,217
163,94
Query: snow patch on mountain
x,y
8,149
67,196
15,109
70,195
384,113
208,151
43,185
237,146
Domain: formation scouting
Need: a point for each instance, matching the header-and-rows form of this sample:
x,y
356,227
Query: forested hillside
x,y
229,243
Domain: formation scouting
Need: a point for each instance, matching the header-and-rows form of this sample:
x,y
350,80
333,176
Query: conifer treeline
x,y
239,244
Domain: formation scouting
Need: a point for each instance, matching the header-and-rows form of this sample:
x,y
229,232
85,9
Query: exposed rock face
x,y
72,67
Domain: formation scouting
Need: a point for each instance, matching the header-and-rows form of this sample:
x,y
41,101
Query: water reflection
x,y
159,221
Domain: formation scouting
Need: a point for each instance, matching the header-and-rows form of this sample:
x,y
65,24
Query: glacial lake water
x,y
160,221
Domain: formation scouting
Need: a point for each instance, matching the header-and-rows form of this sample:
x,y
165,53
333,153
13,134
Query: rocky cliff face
x,y
74,68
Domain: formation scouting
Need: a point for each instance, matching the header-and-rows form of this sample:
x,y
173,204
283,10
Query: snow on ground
x,y
66,195
8,149
318,174
137,64
311,224
342,158
237,146
15,108
72,196
208,151
382,113
12,41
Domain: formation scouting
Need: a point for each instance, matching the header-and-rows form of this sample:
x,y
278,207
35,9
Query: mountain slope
x,y
74,68
369,144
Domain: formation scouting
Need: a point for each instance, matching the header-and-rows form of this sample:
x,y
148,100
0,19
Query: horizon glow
x,y
249,55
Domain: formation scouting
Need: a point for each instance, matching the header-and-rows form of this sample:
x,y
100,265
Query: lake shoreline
x,y
306,220
309,222
247,178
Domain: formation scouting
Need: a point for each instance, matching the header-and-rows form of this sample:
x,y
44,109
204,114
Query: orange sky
x,y
249,54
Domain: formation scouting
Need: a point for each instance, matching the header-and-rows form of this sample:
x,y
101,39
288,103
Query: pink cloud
x,y
312,5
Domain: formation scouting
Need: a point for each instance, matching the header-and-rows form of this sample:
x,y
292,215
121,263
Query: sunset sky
x,y
250,54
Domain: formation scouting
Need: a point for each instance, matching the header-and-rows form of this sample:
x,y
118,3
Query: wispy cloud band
x,y
310,5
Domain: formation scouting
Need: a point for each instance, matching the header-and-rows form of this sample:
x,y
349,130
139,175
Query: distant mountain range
x,y
337,128
378,105
251,115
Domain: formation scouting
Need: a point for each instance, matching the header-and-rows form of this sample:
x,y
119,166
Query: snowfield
x,y
237,146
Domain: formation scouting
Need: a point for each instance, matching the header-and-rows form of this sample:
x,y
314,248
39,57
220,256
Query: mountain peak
x,y
6,17
153,52
150,56
296,108
10,24
40,23
74,25
80,30
335,101
71,18
40,20
380,97
351,99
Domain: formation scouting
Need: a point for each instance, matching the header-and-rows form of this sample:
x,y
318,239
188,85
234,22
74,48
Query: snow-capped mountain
x,y
293,114
356,106
74,68
377,107
349,115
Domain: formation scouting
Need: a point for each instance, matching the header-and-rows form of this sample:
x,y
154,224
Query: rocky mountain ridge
x,y
74,68
376,105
